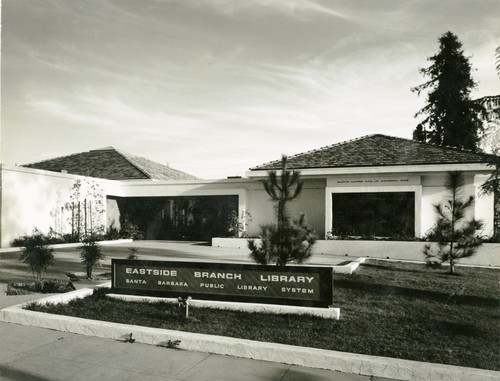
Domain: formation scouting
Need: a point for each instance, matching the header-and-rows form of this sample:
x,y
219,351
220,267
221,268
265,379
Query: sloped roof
x,y
110,163
377,150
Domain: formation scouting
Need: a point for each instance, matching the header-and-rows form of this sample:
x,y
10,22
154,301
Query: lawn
x,y
387,309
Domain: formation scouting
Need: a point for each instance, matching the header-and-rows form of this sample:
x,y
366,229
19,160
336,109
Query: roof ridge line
x,y
143,170
124,155
367,143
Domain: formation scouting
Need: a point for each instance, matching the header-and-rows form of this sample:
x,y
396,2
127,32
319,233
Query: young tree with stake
x,y
286,240
90,255
455,236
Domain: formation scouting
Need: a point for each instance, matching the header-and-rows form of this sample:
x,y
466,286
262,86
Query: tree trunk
x,y
79,227
281,222
38,281
85,218
73,219
452,266
89,271
90,218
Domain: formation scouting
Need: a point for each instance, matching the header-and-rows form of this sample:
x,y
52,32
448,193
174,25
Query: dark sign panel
x,y
294,285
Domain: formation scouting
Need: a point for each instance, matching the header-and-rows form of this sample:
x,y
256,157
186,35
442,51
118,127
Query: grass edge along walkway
x,y
398,310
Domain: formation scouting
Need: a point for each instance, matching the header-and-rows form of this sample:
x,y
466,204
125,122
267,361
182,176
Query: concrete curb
x,y
326,313
70,245
288,354
76,244
350,267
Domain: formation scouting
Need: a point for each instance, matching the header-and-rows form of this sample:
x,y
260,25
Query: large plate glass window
x,y
379,214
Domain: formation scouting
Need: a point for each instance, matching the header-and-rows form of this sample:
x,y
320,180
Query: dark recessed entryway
x,y
191,218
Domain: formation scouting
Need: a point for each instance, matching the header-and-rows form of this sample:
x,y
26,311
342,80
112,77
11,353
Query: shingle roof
x,y
377,150
110,163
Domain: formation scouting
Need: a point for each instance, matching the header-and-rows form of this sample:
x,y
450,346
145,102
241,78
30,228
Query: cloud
x,y
223,83
95,113
291,8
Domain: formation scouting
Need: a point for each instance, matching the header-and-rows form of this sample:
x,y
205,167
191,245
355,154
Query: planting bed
x,y
388,309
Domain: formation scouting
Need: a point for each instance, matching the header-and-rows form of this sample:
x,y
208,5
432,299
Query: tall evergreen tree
x,y
451,118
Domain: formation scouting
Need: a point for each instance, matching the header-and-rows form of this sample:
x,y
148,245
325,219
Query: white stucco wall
x,y
310,202
434,192
33,198
261,209
484,205
30,199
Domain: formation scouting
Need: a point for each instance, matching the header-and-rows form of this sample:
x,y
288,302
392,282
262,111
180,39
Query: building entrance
x,y
187,218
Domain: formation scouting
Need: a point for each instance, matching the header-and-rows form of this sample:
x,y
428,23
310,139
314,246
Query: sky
x,y
215,87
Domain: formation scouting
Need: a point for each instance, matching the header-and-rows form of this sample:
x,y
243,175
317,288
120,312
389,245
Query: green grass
x,y
387,309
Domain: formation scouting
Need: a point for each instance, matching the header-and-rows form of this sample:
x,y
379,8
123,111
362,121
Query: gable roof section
x,y
110,163
377,150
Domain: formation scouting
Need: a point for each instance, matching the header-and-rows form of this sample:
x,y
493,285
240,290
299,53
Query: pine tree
x,y
455,236
451,117
286,240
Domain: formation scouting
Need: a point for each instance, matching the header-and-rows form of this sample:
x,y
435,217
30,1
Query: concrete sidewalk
x,y
32,353
28,353
38,354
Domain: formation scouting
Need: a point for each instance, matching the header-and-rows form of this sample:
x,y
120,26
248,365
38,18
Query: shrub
x,y
238,224
130,230
296,247
57,286
45,239
91,254
133,253
38,256
112,233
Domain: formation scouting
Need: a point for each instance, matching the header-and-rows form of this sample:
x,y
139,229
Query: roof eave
x,y
467,167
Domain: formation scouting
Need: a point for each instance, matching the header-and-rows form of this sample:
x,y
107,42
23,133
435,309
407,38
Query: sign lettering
x,y
295,285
